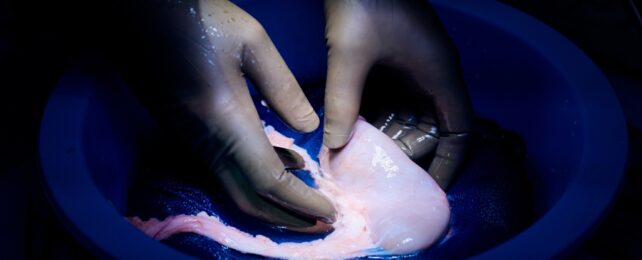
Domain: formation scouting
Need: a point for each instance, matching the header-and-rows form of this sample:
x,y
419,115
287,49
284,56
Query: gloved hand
x,y
214,46
405,36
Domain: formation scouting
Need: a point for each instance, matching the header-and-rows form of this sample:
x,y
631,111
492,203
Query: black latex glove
x,y
217,46
408,37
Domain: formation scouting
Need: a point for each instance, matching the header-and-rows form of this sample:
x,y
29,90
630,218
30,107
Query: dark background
x,y
39,40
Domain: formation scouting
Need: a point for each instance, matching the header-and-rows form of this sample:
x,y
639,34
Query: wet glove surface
x,y
405,37
188,64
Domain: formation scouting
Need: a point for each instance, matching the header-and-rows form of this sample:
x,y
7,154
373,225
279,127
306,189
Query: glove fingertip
x,y
334,141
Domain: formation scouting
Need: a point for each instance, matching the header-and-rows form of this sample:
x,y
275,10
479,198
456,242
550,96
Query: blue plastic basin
x,y
520,73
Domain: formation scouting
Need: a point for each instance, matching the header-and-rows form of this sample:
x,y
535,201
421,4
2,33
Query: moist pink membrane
x,y
386,204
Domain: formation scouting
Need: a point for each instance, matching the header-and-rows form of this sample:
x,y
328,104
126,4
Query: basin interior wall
x,y
510,79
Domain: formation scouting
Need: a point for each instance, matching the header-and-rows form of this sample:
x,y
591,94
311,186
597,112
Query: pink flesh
x,y
386,204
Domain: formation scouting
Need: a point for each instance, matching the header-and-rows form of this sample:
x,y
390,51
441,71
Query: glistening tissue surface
x,y
491,200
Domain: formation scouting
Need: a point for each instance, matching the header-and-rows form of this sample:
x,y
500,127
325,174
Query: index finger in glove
x,y
237,139
257,160
243,195
269,73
